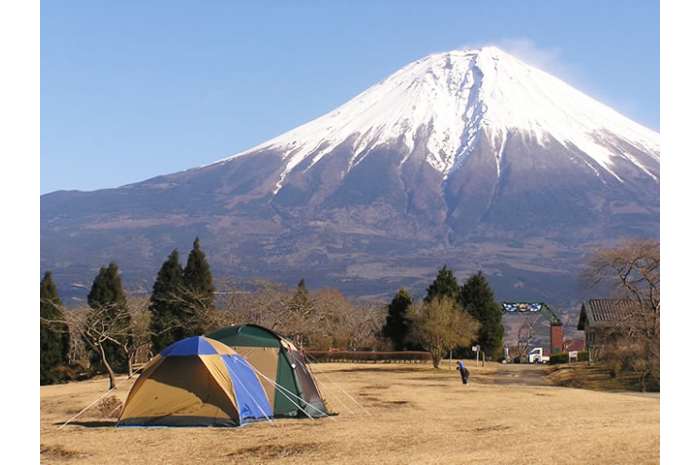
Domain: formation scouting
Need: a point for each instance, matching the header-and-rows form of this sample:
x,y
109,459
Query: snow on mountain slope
x,y
460,96
470,158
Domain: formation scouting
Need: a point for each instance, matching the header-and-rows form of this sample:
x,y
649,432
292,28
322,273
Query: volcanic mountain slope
x,y
470,157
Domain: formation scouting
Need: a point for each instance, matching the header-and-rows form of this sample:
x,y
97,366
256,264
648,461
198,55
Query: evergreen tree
x,y
444,285
478,300
398,325
53,333
301,316
166,324
108,301
300,302
199,286
107,288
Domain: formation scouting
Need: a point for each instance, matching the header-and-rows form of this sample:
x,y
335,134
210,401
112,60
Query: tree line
x,y
109,333
450,317
114,329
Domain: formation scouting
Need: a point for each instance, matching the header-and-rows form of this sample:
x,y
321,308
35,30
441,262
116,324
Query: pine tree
x,y
107,288
166,307
108,302
478,300
301,315
199,287
398,325
53,331
300,302
444,285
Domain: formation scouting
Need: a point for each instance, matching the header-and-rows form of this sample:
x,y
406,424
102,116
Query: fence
x,y
368,357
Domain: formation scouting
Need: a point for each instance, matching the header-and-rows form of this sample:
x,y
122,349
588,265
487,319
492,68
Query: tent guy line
x,y
282,388
343,390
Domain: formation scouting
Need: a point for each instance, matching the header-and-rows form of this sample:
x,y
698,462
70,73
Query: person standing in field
x,y
463,372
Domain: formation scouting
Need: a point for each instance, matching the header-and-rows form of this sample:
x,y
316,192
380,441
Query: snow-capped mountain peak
x,y
447,101
468,157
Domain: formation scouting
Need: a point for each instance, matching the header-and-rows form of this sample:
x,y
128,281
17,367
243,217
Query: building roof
x,y
574,345
605,312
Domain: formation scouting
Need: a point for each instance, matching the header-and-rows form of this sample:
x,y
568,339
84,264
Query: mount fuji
x,y
470,158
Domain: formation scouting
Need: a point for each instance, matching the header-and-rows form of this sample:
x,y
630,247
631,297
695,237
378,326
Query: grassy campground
x,y
410,414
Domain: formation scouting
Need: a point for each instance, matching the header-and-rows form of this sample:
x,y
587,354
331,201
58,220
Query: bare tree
x,y
632,270
327,319
138,345
266,305
440,325
77,352
197,315
526,334
108,324
332,314
366,323
123,327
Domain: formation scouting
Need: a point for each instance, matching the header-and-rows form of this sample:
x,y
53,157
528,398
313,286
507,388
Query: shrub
x,y
562,357
364,356
109,407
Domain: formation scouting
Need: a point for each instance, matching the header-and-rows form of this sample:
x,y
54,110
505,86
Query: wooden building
x,y
603,322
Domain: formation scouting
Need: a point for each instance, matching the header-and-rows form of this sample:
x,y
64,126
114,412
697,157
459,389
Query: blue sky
x,y
132,89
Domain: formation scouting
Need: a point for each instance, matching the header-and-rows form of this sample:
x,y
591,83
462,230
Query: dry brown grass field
x,y
414,415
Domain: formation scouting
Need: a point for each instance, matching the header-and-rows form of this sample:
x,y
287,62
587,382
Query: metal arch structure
x,y
529,308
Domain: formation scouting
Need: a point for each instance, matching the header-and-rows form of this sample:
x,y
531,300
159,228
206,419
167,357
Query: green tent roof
x,y
246,336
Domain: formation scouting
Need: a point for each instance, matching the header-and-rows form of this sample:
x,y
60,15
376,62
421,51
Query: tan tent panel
x,y
182,400
218,371
264,359
145,373
220,347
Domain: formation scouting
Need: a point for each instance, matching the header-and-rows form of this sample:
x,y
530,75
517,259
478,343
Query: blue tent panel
x,y
252,402
195,345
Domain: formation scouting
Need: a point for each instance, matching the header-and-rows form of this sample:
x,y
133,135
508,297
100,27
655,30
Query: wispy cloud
x,y
548,59
554,61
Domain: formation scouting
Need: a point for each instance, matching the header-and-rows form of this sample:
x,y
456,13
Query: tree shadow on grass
x,y
372,369
90,423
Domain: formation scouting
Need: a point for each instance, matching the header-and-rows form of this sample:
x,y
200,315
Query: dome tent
x,y
284,373
196,382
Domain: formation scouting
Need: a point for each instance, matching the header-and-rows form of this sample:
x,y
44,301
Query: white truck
x,y
537,355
